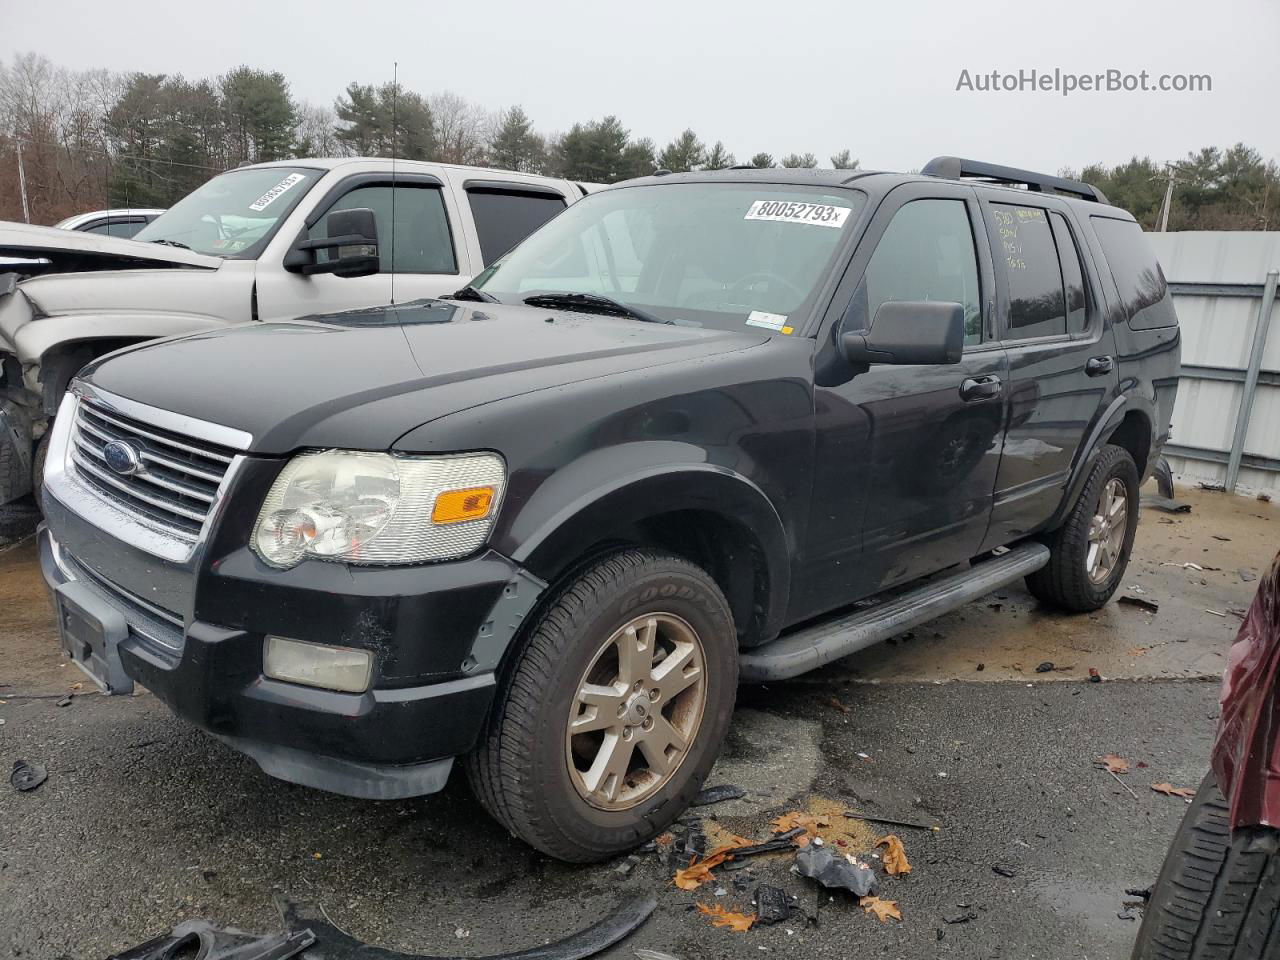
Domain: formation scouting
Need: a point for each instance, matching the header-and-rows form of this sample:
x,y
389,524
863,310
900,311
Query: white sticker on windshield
x,y
270,197
771,321
816,214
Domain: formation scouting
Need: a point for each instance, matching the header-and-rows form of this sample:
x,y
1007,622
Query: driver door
x,y
906,454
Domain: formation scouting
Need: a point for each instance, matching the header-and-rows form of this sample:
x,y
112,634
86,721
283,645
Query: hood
x,y
63,251
363,379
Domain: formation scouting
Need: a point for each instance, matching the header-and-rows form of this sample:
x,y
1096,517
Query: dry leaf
x,y
737,922
1170,790
1113,764
665,840
895,856
838,705
699,871
810,822
884,909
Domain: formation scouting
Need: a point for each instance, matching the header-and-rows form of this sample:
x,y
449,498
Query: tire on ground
x,y
1064,581
1218,895
520,771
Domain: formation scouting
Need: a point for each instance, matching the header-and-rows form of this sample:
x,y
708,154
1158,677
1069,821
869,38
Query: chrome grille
x,y
176,479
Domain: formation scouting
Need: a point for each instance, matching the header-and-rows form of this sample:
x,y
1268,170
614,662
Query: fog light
x,y
317,664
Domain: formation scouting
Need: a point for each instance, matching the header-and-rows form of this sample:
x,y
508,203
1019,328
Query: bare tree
x,y
462,129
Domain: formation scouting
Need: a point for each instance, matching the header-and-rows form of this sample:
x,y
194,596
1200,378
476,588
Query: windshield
x,y
235,214
724,255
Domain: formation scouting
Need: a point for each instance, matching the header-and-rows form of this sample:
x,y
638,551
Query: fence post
x,y
1260,329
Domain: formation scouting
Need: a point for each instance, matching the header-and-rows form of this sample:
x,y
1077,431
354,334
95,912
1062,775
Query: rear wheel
x,y
1089,552
615,710
1218,896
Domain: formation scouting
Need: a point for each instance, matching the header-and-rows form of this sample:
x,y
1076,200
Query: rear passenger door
x,y
505,213
1061,364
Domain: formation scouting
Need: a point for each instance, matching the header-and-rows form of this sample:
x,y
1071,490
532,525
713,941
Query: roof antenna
x,y
395,95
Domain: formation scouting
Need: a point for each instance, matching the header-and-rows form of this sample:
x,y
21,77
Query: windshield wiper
x,y
592,303
472,293
171,243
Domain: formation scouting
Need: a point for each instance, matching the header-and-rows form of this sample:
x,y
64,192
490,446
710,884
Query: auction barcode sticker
x,y
817,214
268,198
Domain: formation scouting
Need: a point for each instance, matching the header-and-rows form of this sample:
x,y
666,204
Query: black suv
x,y
663,445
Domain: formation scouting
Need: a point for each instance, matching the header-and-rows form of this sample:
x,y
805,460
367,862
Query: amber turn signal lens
x,y
454,506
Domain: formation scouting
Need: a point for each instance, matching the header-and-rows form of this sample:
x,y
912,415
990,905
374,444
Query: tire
x,y
15,462
1066,581
1218,895
525,771
37,466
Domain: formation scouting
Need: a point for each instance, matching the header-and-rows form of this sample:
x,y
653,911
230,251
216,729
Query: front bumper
x,y
397,739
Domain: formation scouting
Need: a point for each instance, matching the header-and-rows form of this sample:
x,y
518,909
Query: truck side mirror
x,y
909,331
352,235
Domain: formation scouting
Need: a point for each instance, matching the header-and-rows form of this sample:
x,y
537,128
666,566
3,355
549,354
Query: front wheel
x,y
1218,896
1089,552
615,710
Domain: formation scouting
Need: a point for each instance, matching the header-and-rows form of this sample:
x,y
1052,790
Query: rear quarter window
x,y
505,217
1137,274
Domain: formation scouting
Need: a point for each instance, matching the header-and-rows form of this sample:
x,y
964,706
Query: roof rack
x,y
956,168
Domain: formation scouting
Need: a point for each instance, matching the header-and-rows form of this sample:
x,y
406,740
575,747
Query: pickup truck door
x,y
501,208
426,251
1062,371
905,455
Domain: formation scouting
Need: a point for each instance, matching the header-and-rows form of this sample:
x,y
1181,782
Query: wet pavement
x,y
145,821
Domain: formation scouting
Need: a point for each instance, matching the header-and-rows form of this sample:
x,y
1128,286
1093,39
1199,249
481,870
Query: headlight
x,y
378,509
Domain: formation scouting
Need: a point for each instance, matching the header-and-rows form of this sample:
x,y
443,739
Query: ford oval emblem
x,y
121,457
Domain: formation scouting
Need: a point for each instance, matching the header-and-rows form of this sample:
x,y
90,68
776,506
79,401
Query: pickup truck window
x,y
725,255
926,253
233,215
422,243
1037,303
505,217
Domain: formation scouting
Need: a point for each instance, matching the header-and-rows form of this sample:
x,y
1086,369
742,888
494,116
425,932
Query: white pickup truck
x,y
272,241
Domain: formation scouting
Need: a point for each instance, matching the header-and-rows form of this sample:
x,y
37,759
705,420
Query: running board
x,y
796,653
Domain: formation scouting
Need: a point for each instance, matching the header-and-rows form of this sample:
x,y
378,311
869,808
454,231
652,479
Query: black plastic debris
x,y
1143,893
835,871
1045,667
1003,871
772,905
1149,605
310,936
779,841
27,776
725,791
964,917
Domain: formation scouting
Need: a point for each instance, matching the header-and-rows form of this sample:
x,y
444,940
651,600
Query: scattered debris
x,y
1185,566
1166,504
772,905
1003,871
1248,576
1264,497
624,868
64,702
808,821
1142,893
964,917
1044,667
1094,675
1212,487
720,917
1169,790
307,926
1113,763
895,855
835,702
27,776
1223,539
719,794
883,909
886,820
1149,605
981,667
1216,613
699,871
834,871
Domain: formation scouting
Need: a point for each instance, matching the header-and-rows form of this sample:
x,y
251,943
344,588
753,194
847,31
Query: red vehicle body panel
x,y
1246,754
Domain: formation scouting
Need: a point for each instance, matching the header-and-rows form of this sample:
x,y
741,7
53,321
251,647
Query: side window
x,y
116,228
1137,273
421,244
1072,274
505,217
926,253
1037,304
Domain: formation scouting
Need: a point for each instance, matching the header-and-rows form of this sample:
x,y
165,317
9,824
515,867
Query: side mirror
x,y
352,235
910,331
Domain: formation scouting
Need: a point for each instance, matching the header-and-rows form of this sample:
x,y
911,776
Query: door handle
x,y
1099,366
979,388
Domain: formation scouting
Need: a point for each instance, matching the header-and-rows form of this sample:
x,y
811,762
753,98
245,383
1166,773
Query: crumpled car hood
x,y
72,251
1246,753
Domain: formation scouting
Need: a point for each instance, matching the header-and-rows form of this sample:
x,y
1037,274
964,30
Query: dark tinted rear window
x,y
1137,273
1036,302
504,218
1072,275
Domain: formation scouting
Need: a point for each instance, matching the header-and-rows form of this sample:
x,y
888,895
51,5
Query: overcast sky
x,y
804,75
